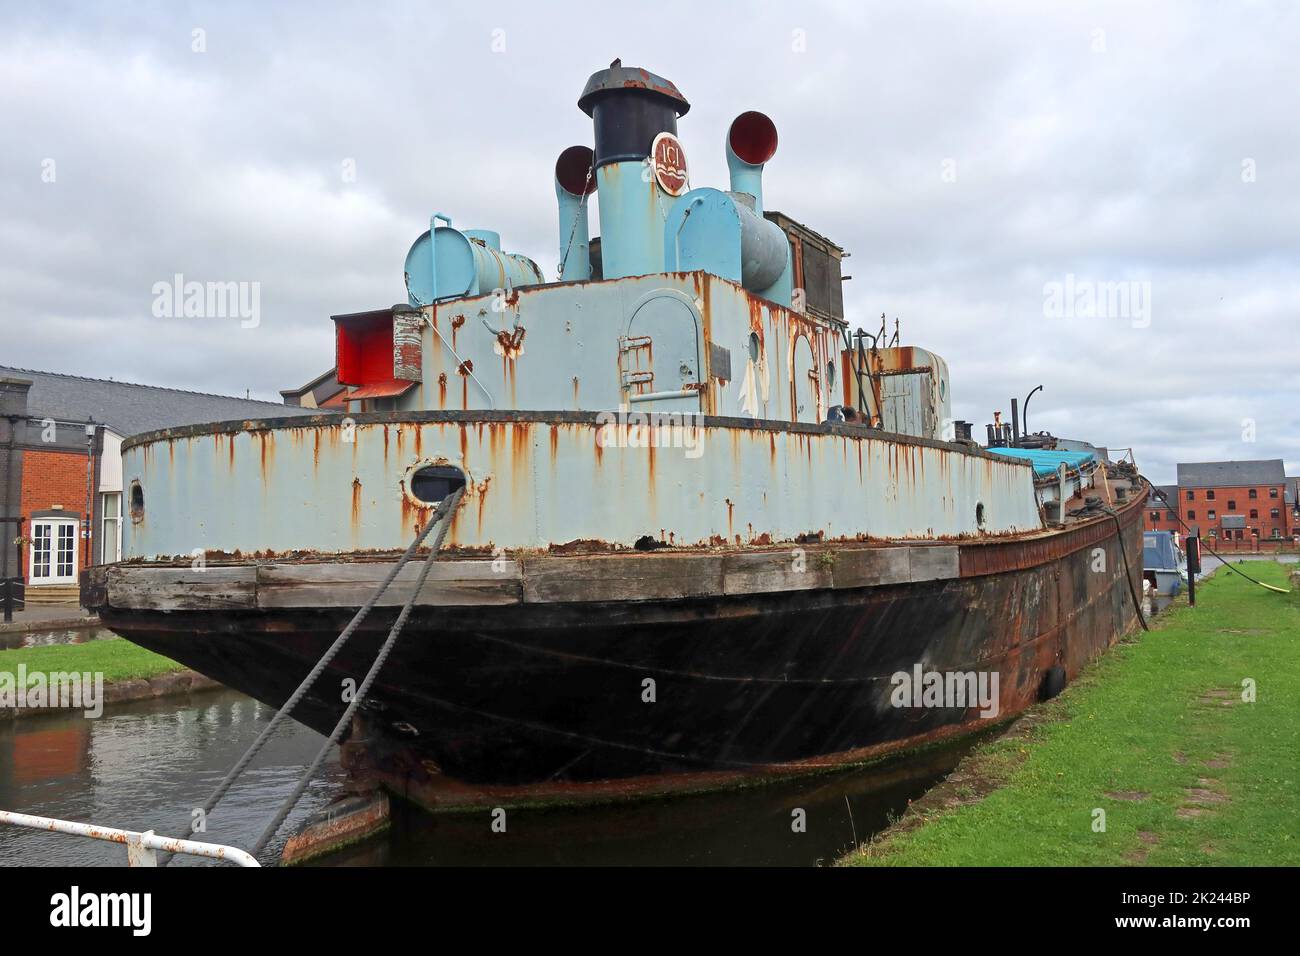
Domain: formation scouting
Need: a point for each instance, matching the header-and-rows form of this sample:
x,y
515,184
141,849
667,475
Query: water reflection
x,y
9,640
147,765
751,827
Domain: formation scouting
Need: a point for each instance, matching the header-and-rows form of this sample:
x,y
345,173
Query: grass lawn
x,y
116,658
1157,735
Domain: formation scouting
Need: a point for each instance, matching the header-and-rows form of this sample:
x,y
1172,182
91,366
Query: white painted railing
x,y
141,848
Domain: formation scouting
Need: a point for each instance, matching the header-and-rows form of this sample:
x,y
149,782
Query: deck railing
x,y
141,848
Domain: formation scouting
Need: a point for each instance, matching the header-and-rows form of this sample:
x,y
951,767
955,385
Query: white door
x,y
53,556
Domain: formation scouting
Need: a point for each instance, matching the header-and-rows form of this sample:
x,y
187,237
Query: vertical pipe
x,y
633,215
87,550
751,142
574,182
1062,494
1015,422
629,109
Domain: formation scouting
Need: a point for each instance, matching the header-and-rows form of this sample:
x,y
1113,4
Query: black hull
x,y
551,699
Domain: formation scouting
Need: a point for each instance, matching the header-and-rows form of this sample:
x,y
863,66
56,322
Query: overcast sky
x,y
971,157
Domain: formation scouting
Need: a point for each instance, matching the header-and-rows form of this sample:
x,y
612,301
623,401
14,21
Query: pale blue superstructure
x,y
490,372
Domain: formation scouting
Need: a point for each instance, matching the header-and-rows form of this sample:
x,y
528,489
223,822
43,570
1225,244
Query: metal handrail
x,y
141,848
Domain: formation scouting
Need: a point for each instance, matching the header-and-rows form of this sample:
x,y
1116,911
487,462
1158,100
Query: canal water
x,y
146,765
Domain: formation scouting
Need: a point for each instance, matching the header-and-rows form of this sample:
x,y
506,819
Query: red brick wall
x,y
1201,504
1155,517
55,478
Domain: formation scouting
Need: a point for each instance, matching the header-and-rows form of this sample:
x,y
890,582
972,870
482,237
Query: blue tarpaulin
x,y
1046,463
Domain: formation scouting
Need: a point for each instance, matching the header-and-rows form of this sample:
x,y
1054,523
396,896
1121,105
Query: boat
x,y
1164,566
703,534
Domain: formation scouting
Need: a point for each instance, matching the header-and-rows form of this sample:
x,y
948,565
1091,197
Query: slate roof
x,y
1231,474
129,409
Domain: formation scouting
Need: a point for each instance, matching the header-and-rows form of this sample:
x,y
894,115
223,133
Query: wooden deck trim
x,y
555,579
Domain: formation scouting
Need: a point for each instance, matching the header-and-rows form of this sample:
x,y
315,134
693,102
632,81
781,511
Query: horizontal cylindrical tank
x,y
455,263
763,246
721,233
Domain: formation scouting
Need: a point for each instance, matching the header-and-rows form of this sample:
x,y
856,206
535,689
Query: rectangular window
x,y
65,549
1254,493
1232,505
1191,516
1254,512
1209,495
1274,512
1277,533
1272,492
1212,514
40,560
110,539
1191,496
1170,516
1155,516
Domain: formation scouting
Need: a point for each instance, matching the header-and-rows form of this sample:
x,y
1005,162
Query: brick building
x,y
1239,503
1159,517
61,466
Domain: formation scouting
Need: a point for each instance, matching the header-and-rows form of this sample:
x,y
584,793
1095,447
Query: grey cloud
x,y
1117,165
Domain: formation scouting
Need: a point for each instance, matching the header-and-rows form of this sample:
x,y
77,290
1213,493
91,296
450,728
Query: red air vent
x,y
753,137
364,354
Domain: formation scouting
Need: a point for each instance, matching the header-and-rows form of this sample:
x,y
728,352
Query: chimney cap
x,y
618,77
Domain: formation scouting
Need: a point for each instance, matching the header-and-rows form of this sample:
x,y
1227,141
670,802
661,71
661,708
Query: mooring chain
x,y
291,801
445,508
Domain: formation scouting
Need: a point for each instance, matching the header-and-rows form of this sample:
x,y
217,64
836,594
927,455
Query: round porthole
x,y
135,502
432,483
755,347
979,514
830,374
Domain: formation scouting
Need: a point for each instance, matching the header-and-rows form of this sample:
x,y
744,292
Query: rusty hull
x,y
486,704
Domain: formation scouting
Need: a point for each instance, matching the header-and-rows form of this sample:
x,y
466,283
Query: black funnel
x,y
629,108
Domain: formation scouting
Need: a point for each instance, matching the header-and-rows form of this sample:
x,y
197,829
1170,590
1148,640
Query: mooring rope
x,y
1128,572
291,801
445,508
1173,510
